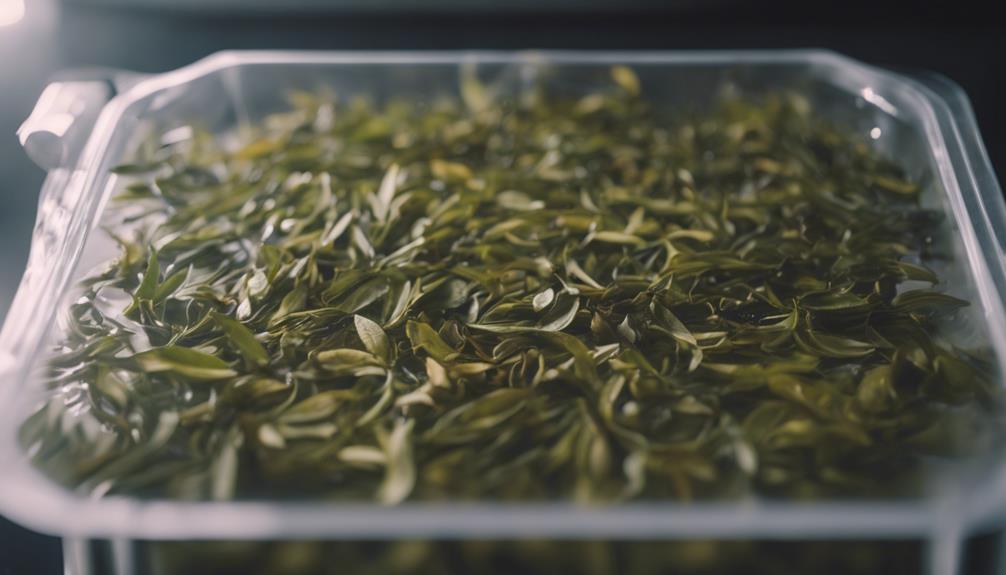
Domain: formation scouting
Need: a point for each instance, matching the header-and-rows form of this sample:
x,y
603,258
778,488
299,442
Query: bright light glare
x,y
11,12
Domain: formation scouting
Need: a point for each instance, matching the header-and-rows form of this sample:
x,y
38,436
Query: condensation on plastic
x,y
925,123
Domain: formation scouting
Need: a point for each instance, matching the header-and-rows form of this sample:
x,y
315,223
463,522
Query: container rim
x,y
33,500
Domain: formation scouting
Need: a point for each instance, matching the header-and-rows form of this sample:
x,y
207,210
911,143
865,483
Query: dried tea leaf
x,y
876,391
225,468
183,361
373,337
832,301
543,300
400,470
243,339
427,339
626,79
473,92
924,299
322,405
386,192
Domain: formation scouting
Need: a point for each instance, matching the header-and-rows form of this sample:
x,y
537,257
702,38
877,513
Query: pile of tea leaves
x,y
513,298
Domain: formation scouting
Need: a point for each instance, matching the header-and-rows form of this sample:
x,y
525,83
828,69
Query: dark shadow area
x,y
24,552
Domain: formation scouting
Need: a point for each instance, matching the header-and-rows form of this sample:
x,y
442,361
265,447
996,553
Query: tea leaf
x,y
317,407
473,92
386,192
923,299
183,361
400,472
243,339
423,337
225,469
373,337
626,78
543,299
832,301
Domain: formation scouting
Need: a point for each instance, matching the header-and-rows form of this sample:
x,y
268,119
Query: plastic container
x,y
924,122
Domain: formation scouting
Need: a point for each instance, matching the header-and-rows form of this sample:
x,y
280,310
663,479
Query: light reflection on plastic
x,y
11,12
879,101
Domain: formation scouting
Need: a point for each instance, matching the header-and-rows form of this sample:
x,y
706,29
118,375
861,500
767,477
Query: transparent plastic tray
x,y
79,131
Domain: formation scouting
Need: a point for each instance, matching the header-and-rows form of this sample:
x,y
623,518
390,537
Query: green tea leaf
x,y
831,345
400,470
320,406
373,337
424,337
183,361
832,301
923,299
473,92
243,339
626,78
543,300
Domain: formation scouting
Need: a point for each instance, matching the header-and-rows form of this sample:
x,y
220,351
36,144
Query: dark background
x,y
963,39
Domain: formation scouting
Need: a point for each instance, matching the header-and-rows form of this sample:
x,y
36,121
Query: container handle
x,y
55,132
